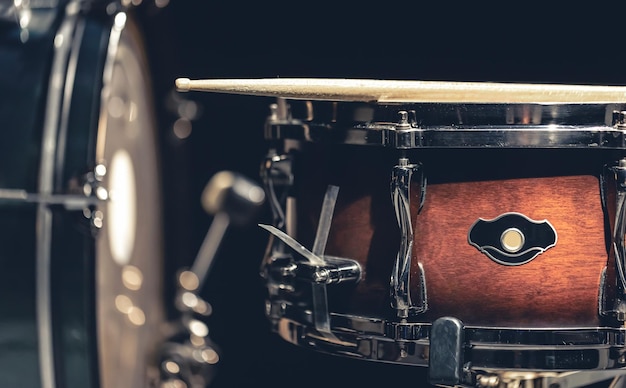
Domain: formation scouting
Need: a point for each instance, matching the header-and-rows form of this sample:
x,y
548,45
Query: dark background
x,y
509,42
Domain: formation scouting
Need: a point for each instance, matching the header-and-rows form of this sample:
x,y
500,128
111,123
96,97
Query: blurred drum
x,y
484,241
80,199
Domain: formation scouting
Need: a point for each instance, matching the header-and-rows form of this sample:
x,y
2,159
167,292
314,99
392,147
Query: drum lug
x,y
400,278
618,243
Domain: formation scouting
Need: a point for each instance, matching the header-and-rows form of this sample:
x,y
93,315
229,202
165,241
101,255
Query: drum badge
x,y
512,238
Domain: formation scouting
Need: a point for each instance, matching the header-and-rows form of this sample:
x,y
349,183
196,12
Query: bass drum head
x,y
129,254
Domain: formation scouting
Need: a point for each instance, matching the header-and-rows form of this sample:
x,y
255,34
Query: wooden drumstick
x,y
396,91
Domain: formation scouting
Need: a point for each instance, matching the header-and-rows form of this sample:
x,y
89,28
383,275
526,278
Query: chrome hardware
x,y
280,119
403,122
278,268
620,220
82,193
618,243
503,136
574,379
400,278
456,126
319,275
512,238
619,119
318,269
583,354
280,111
89,188
335,270
69,201
278,180
524,114
189,357
488,380
90,184
404,131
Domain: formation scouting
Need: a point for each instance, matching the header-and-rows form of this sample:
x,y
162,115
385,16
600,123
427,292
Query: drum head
x,y
129,246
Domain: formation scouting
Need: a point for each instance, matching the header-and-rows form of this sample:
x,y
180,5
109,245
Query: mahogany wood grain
x,y
559,288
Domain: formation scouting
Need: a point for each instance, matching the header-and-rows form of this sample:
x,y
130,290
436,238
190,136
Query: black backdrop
x,y
517,42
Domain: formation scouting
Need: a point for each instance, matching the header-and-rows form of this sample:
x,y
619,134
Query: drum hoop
x,y
55,127
513,136
64,55
485,344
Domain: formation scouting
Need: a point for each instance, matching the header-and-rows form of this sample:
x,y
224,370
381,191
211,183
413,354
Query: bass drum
x,y
80,211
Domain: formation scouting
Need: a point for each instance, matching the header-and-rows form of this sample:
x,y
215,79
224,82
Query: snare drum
x,y
484,241
80,199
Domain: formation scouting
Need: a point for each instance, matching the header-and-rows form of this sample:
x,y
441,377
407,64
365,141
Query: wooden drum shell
x,y
559,288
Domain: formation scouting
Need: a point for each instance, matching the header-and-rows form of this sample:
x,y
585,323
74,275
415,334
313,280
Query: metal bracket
x,y
320,269
278,179
334,271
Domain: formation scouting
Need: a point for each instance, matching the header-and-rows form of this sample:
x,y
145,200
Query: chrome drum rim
x,y
419,126
487,349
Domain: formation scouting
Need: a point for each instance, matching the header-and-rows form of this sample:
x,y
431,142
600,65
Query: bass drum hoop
x,y
99,117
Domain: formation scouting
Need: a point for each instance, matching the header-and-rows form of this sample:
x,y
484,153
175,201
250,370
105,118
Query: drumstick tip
x,y
183,84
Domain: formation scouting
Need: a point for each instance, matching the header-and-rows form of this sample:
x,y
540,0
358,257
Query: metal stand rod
x,y
210,245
